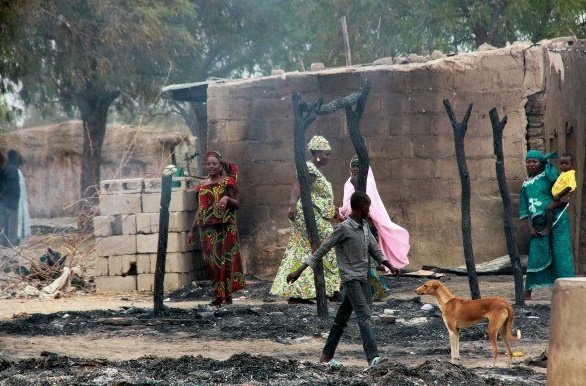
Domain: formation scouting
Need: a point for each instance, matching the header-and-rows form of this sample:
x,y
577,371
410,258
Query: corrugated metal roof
x,y
191,92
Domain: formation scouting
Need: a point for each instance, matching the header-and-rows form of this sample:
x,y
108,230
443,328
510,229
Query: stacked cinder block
x,y
127,235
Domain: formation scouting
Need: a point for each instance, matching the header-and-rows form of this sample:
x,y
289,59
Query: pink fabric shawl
x,y
392,239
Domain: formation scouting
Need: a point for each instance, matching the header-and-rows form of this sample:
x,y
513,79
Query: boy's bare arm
x,y
324,248
293,276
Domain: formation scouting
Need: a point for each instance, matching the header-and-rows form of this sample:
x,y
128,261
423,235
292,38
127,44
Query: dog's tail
x,y
510,323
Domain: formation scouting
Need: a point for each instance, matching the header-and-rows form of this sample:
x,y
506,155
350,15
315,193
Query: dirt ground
x,y
116,340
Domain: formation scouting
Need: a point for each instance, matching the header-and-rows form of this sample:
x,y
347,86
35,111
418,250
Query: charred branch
x,y
158,287
497,133
459,133
304,115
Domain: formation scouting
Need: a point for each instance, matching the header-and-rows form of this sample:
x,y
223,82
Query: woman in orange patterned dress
x,y
216,219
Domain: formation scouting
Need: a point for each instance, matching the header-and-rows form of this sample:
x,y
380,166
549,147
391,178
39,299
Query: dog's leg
x,y
457,343
454,338
493,328
505,338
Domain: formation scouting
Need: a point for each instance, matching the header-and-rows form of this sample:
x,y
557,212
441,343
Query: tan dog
x,y
461,313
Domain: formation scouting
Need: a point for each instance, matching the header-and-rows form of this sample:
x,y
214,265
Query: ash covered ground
x,y
426,340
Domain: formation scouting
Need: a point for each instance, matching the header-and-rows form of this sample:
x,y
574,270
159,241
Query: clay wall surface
x,y
53,160
410,142
564,130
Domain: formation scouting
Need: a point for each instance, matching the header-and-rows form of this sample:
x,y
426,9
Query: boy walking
x,y
354,244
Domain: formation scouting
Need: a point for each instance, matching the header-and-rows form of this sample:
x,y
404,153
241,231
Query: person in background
x,y
299,246
10,192
564,185
549,257
392,239
354,244
24,225
216,219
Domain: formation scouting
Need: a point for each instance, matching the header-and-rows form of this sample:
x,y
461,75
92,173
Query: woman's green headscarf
x,y
550,170
540,156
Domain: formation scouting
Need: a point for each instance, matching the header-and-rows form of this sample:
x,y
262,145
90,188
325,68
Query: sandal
x,y
216,302
333,363
376,361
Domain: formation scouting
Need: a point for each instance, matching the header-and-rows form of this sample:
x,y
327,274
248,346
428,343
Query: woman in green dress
x,y
298,249
550,257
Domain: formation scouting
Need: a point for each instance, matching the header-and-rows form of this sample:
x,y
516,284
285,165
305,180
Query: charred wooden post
x,y
497,132
459,133
158,287
353,120
301,122
304,115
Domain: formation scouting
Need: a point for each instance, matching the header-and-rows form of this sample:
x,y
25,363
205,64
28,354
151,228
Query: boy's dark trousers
x,y
355,299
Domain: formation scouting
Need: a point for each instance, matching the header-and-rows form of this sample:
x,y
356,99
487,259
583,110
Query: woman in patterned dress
x,y
299,248
550,257
216,219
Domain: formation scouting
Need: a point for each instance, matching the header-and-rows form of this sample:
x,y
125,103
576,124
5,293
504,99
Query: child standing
x,y
354,243
564,185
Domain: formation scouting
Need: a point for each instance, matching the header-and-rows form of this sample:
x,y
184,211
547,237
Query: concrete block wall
x,y
127,234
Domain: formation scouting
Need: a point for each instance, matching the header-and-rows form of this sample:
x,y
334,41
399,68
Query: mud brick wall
x,y
410,142
127,234
564,129
53,157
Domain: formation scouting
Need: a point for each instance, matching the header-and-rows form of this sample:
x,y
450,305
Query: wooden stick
x,y
346,41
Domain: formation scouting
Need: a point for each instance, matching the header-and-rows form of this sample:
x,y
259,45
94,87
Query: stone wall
x,y
127,235
409,139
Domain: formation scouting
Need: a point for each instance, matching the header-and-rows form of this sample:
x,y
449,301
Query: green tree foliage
x,y
86,55
396,27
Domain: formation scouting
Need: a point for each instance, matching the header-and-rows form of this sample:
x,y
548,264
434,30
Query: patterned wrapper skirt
x,y
221,251
297,251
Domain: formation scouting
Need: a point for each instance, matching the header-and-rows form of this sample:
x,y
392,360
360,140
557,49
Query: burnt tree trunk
x,y
459,133
159,284
93,107
304,115
301,122
497,133
353,120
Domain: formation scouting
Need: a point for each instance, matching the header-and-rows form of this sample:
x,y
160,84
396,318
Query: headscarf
x,y
393,240
549,169
318,143
540,156
355,160
230,167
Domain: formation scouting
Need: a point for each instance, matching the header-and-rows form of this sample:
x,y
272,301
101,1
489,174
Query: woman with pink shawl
x,y
393,240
